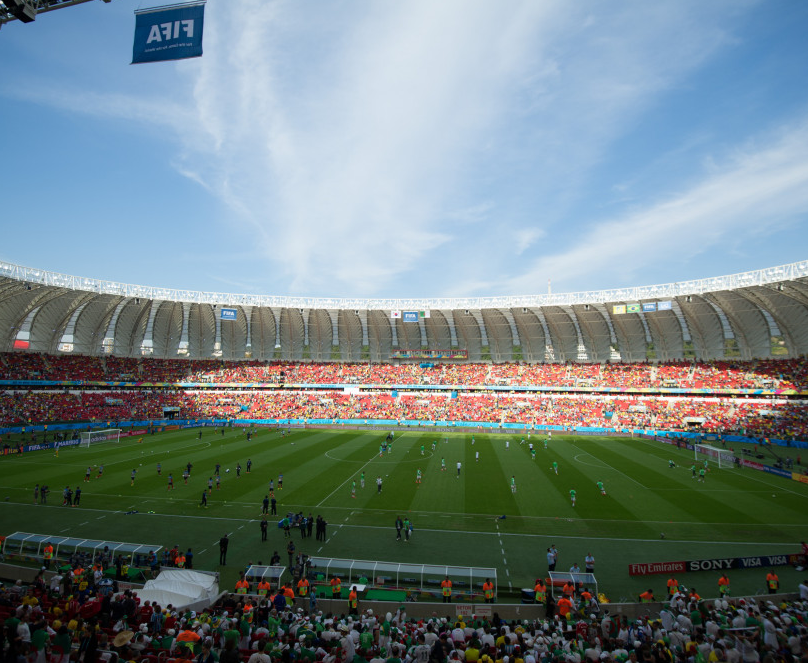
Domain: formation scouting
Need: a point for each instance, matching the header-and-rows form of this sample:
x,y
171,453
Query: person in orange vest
x,y
647,596
78,572
353,602
673,586
541,591
336,587
263,587
564,606
488,590
568,590
242,585
180,561
693,595
47,554
772,582
723,585
446,589
586,596
303,587
289,594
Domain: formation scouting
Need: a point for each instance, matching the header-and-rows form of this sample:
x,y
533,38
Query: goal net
x,y
722,457
96,436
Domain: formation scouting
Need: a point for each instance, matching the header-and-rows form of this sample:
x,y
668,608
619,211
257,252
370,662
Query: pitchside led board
x,y
172,32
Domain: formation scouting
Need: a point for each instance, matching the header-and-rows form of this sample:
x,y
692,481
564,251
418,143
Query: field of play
x,y
476,518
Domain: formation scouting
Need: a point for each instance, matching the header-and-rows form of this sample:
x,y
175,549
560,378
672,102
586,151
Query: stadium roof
x,y
750,315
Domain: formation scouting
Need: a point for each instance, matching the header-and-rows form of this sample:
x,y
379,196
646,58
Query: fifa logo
x,y
167,31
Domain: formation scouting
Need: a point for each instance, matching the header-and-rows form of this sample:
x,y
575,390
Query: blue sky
x,y
410,149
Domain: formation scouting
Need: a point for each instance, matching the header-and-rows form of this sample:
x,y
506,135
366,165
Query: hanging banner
x,y
168,33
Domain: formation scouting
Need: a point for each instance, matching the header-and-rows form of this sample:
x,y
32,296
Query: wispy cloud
x,y
746,194
374,149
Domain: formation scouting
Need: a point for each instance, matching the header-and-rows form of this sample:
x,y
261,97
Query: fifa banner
x,y
646,307
410,316
168,33
228,314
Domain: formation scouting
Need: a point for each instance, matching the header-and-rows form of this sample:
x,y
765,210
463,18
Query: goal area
x,y
722,457
97,436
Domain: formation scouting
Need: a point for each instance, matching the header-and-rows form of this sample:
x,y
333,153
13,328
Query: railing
x,y
760,277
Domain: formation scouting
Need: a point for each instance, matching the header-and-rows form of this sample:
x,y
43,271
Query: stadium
x,y
608,376
593,475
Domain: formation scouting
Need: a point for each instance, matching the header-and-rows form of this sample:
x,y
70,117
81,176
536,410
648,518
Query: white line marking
x,y
86,522
350,478
609,466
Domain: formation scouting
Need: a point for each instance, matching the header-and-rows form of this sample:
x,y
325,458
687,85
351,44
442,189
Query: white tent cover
x,y
182,588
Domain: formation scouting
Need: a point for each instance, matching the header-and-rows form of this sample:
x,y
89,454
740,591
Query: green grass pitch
x,y
456,520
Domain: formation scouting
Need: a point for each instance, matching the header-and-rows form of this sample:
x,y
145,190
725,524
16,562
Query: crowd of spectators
x,y
759,418
43,624
756,374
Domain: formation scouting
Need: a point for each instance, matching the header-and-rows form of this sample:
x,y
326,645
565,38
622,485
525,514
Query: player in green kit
x,y
702,475
532,454
545,444
442,464
555,467
671,464
422,449
513,484
601,488
693,471
572,496
362,480
353,489
418,476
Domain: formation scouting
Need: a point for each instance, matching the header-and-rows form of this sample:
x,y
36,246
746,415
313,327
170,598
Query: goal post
x,y
96,436
722,457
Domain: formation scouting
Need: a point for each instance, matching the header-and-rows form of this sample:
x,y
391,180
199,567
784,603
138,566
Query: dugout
x,y
26,546
581,580
272,574
393,581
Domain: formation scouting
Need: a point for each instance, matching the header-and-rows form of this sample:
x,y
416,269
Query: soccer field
x,y
457,520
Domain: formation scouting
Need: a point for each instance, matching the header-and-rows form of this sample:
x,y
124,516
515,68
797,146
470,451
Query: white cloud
x,y
754,190
367,147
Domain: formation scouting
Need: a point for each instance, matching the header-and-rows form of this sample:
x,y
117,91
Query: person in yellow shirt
x,y
47,554
723,585
488,590
772,582
302,587
446,589
541,591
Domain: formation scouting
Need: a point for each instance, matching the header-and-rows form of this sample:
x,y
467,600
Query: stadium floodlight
x,y
27,10
22,10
